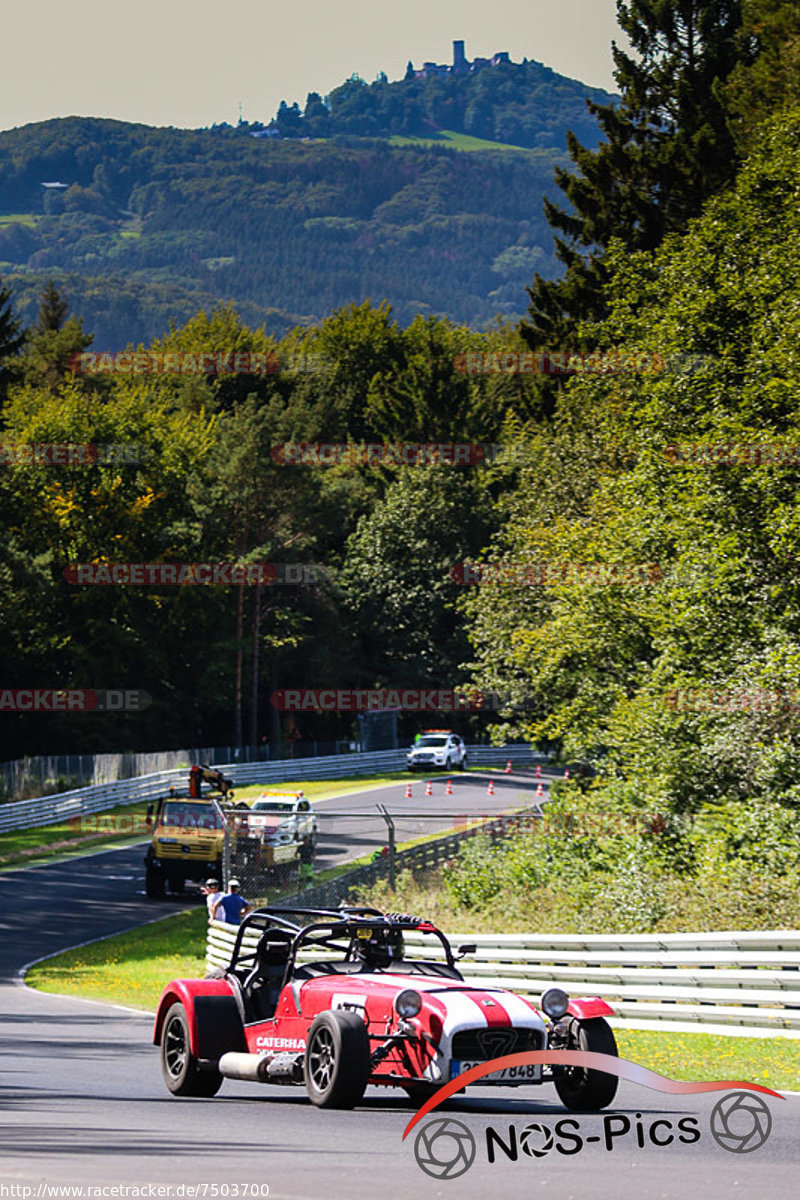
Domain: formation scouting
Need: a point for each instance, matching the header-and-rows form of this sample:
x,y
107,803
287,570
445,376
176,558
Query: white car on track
x,y
437,748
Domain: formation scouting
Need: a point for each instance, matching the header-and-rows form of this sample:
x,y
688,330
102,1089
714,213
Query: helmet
x,y
382,947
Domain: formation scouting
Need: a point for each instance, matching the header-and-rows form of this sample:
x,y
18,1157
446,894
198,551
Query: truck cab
x,y
188,834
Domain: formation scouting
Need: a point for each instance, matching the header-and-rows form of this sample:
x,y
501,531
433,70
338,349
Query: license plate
x,y
527,1073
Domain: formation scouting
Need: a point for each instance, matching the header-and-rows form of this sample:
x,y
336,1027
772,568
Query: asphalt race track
x,y
82,1103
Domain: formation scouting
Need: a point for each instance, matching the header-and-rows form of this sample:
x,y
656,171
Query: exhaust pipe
x,y
255,1068
235,1065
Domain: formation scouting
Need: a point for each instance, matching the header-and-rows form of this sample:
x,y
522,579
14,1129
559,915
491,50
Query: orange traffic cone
x,y
508,767
566,773
429,788
490,789
539,771
540,790
448,791
408,791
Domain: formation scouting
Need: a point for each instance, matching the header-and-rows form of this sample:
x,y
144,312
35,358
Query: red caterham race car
x,y
329,999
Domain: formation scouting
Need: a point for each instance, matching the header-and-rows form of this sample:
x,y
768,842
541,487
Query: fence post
x,y
226,855
392,847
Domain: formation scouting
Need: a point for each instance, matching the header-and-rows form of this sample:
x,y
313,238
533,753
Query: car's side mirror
x,y
468,948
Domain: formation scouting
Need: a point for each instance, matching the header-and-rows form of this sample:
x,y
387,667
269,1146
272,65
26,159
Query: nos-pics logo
x,y
445,1148
740,1123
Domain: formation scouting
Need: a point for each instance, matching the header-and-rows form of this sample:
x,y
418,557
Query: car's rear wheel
x,y
578,1087
178,1065
463,766
337,1064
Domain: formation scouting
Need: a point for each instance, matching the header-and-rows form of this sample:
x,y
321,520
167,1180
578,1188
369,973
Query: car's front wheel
x,y
578,1087
178,1065
153,883
337,1064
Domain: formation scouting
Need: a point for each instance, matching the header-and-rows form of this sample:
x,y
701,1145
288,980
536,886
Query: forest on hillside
x,y
156,223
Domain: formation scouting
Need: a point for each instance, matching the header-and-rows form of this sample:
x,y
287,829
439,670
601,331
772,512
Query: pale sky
x,y
190,62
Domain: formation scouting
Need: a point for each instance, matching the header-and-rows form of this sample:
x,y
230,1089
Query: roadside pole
x,y
392,847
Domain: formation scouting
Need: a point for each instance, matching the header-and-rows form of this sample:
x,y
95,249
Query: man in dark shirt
x,y
232,907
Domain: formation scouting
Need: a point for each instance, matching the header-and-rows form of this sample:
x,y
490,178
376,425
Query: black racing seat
x,y
262,987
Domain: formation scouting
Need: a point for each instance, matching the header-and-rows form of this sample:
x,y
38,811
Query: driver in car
x,y
382,947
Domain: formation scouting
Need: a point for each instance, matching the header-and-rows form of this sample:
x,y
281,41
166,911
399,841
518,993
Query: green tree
x,y
594,666
396,581
12,339
53,310
769,77
667,147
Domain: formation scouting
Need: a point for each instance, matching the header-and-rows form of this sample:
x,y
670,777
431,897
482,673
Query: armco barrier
x,y
49,810
733,982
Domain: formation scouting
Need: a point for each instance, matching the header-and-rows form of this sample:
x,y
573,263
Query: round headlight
x,y
408,1003
555,1003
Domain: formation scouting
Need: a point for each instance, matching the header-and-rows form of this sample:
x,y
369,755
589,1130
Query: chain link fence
x,y
268,873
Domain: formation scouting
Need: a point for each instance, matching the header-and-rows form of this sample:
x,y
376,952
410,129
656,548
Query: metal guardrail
x,y
50,810
688,979
37,775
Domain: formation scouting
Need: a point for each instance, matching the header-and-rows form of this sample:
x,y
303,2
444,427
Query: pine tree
x,y
667,147
52,341
52,309
12,339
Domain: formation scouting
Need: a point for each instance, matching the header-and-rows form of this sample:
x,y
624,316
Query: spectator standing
x,y
213,896
232,907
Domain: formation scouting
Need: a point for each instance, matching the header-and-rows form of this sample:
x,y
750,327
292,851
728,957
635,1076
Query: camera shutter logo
x,y
741,1122
444,1148
536,1146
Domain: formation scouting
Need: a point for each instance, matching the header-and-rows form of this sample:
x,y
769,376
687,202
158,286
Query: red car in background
x,y
329,999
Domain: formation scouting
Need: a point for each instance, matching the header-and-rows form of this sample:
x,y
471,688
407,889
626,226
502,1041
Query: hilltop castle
x,y
461,64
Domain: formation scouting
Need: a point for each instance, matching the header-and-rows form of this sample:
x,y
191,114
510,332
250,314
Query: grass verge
x,y
19,846
132,969
774,1062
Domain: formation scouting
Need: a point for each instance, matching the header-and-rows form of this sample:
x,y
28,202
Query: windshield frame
x,y
194,808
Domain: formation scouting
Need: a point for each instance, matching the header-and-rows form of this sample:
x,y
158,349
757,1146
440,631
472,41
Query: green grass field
x,y
20,846
29,219
132,969
457,141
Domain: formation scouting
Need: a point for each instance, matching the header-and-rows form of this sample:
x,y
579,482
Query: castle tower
x,y
460,63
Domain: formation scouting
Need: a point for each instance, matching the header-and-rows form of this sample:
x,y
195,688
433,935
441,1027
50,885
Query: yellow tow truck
x,y
188,833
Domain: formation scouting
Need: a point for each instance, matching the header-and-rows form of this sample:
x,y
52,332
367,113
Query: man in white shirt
x,y
213,896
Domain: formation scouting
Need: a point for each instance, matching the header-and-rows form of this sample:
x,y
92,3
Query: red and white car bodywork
x,y
340,1023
